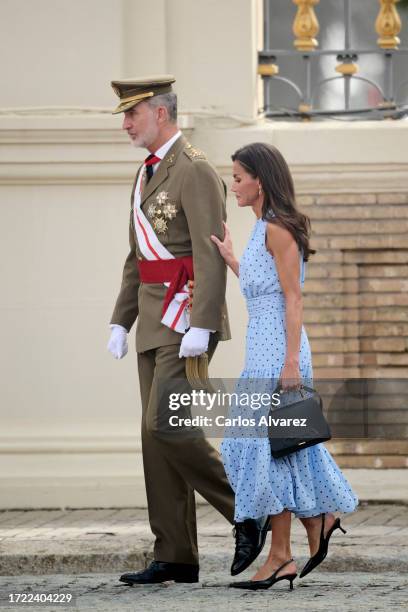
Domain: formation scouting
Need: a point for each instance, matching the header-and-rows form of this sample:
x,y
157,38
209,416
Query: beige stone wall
x,y
65,53
356,315
356,293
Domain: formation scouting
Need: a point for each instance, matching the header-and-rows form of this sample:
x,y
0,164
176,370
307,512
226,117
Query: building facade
x,y
70,413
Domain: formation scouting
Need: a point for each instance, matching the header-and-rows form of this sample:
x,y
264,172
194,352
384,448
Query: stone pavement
x,y
81,541
84,551
325,592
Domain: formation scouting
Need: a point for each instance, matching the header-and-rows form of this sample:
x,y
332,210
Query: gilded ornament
x,y
193,153
306,26
268,70
196,152
347,69
388,25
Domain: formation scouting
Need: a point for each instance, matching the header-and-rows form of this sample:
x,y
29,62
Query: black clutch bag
x,y
297,425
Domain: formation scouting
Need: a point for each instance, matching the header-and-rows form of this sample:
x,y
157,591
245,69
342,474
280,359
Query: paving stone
x,y
347,592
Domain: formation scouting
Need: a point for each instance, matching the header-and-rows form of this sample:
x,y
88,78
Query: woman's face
x,y
245,187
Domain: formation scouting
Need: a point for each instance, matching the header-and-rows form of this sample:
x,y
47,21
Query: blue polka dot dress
x,y
307,482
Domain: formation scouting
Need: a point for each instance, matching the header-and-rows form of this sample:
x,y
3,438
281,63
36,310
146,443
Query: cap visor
x,y
124,107
129,103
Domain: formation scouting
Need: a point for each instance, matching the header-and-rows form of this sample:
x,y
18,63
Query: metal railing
x,y
305,29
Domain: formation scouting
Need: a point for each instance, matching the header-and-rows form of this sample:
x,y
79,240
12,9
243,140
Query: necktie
x,y
149,163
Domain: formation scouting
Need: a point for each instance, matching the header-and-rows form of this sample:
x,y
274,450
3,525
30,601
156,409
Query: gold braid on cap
x,y
124,101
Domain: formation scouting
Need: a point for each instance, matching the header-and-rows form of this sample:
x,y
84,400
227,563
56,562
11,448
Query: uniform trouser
x,y
175,466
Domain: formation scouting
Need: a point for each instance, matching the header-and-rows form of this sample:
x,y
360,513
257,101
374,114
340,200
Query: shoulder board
x,y
193,153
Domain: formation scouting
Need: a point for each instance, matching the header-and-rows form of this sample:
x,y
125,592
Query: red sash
x,y
175,271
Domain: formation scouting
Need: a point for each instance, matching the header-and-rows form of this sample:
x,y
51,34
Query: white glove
x,y
117,344
194,342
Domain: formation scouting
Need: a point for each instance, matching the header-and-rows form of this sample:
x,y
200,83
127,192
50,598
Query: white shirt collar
x,y
167,145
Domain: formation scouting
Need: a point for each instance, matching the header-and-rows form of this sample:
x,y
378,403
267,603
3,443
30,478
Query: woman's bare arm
x,y
281,244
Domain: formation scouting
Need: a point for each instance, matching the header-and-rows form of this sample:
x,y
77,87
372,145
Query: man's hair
x,y
169,100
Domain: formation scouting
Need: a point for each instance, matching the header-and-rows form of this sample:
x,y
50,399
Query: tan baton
x,y
196,367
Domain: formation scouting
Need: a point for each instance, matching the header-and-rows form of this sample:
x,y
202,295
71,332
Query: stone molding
x,y
66,147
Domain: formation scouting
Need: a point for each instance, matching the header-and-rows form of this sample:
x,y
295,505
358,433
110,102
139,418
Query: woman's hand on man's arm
x,y
226,249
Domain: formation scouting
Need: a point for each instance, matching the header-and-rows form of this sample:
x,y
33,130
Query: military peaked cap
x,y
133,91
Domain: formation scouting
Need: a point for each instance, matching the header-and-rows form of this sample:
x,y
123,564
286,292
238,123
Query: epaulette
x,y
193,153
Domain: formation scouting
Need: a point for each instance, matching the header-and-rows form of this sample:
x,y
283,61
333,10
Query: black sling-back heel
x,y
323,547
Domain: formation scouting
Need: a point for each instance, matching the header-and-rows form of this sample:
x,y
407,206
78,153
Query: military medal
x,y
151,211
160,225
161,211
162,197
169,210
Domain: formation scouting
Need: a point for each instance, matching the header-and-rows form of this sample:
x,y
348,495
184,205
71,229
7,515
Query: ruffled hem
x,y
307,482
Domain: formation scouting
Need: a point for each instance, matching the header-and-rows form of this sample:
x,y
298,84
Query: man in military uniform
x,y
177,202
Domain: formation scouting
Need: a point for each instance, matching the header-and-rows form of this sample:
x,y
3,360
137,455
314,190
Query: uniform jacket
x,y
195,198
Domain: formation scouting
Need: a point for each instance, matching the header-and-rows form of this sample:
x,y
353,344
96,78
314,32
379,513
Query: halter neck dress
x,y
307,482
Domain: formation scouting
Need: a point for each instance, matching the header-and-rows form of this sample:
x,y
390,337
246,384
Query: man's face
x,y
142,125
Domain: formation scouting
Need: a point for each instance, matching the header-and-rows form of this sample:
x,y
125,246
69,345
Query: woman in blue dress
x,y
271,273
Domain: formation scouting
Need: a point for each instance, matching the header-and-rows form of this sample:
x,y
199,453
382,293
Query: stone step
x,y
368,447
372,461
340,560
360,453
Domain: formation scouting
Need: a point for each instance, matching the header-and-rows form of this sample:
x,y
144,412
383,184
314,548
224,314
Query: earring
x,y
259,190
